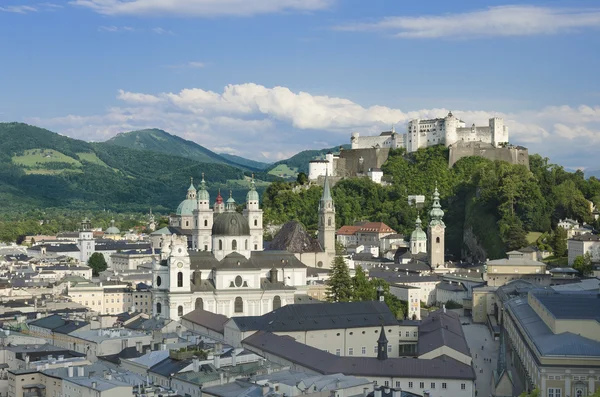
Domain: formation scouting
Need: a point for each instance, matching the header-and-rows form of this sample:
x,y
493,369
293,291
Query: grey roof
x,y
168,366
150,359
205,260
442,329
451,287
56,247
293,237
210,320
238,388
230,223
326,363
307,381
575,306
545,341
514,261
324,316
98,383
587,237
394,277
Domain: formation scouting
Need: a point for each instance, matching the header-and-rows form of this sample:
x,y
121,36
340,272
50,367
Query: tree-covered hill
x,y
299,162
490,206
42,169
162,142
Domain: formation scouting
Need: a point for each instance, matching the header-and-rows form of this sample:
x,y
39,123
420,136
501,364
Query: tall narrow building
x,y
327,219
254,214
203,220
86,243
437,230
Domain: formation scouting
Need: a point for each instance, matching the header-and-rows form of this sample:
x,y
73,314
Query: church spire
x,y
436,214
191,193
202,192
326,191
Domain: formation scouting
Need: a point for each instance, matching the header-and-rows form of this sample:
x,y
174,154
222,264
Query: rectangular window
x,y
421,385
389,348
386,383
338,352
364,350
415,334
463,386
407,334
444,386
375,349
433,385
410,385
350,351
398,383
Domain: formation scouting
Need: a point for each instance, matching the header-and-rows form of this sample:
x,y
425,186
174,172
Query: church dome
x,y
230,224
186,207
202,192
418,233
112,229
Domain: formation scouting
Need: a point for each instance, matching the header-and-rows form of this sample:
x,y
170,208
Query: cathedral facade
x,y
226,270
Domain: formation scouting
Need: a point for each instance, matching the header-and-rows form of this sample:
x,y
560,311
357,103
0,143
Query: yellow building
x,y
104,298
516,266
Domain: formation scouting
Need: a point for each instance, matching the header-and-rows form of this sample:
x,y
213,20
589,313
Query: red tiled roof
x,y
376,227
348,230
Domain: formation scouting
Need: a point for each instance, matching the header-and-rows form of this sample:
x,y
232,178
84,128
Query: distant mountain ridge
x,y
244,161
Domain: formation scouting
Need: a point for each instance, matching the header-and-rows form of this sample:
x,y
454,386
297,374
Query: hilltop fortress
x,y
368,153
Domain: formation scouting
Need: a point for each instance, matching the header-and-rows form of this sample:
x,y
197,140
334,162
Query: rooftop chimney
x,y
138,346
70,372
80,371
378,392
94,385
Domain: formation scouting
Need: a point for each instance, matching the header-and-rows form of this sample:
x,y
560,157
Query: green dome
x,y
418,233
230,224
186,207
202,192
112,230
252,196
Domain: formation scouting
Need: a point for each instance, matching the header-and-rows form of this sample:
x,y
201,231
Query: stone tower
x,y
436,231
203,220
86,243
327,219
254,214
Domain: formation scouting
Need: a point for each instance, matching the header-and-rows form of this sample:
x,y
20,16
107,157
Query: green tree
x,y
302,178
583,264
339,284
97,263
534,393
559,242
362,288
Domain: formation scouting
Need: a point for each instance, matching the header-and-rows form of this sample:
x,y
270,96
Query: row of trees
x,y
343,288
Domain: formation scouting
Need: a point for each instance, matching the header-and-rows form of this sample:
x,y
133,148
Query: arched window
x,y
199,303
205,222
328,221
180,310
246,245
180,279
238,307
220,245
255,222
187,223
276,302
158,308
437,240
234,245
158,281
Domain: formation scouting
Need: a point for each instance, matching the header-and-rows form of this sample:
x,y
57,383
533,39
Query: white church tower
x,y
327,219
437,230
172,276
418,239
254,214
86,243
203,220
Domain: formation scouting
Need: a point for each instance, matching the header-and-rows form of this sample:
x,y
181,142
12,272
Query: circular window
x,y
338,334
320,264
238,281
363,332
158,281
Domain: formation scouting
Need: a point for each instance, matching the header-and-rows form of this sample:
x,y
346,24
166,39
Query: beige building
x,y
104,298
554,341
516,266
583,244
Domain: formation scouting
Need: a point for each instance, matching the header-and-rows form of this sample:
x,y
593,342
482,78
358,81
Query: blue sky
x,y
267,78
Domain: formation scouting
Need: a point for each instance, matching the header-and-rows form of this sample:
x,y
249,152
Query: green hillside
x,y
39,168
244,161
290,168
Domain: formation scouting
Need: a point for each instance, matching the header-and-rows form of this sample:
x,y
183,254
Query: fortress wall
x,y
513,155
348,163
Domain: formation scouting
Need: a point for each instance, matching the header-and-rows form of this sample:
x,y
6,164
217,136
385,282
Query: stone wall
x,y
349,164
511,154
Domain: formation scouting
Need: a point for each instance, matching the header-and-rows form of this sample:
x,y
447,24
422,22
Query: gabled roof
x,y
376,227
304,317
348,230
168,366
212,321
442,329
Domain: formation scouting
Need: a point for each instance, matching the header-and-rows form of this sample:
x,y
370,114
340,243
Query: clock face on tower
x,y
180,265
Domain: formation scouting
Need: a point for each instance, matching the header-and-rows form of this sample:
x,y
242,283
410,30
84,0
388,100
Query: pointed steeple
x,y
191,193
436,214
382,343
252,193
326,191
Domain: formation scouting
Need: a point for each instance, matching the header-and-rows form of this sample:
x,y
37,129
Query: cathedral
x,y
226,271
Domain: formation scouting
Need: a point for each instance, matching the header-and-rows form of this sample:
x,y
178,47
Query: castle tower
x,y
450,125
86,243
437,230
499,131
254,214
327,219
203,220
418,239
382,344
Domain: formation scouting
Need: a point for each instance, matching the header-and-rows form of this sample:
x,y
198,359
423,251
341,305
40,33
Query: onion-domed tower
x,y
203,220
418,239
437,230
254,214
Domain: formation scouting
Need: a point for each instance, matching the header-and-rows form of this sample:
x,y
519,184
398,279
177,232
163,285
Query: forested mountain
x,y
42,169
258,165
299,162
162,142
490,206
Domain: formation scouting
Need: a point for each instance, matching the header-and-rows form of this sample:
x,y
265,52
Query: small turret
x,y
382,343
230,206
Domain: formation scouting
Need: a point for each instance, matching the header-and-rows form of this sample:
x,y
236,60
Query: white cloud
x,y
271,123
162,31
514,20
200,8
188,65
18,9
